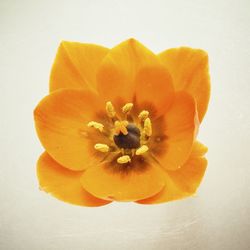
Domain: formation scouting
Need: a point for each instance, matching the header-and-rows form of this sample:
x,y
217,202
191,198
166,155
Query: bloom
x,y
121,124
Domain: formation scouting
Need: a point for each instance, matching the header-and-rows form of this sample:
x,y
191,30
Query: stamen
x,y
127,107
120,127
101,147
142,150
110,110
133,150
96,125
147,127
143,115
124,159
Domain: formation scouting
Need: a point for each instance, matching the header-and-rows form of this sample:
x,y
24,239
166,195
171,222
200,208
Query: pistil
x,y
121,127
130,140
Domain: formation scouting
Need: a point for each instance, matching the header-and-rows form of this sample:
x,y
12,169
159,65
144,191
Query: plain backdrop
x,y
217,217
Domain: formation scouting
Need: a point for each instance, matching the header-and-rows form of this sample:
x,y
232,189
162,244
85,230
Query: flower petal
x,y
64,184
117,72
154,89
172,143
61,120
189,69
123,183
75,65
184,181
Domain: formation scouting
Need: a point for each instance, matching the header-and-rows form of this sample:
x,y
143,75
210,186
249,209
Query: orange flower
x,y
120,124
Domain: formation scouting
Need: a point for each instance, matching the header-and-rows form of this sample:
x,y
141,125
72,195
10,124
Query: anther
x,y
127,107
110,110
121,127
101,147
124,159
143,115
96,125
142,150
147,127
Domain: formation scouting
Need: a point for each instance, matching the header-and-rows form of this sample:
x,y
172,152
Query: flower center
x,y
130,140
127,139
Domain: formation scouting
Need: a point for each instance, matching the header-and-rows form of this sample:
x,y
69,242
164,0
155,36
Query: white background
x,y
218,217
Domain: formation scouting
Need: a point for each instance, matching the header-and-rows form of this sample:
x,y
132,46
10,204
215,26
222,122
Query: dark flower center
x,y
130,140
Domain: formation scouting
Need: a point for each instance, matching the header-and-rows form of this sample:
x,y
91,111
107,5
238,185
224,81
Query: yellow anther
x,y
124,159
96,125
127,107
147,127
143,115
101,147
121,127
142,150
110,110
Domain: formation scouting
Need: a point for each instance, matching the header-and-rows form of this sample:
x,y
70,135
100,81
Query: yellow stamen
x,y
142,150
127,107
143,115
147,127
101,147
110,110
120,127
133,151
96,125
124,159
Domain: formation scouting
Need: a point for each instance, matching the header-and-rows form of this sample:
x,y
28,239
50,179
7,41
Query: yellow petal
x,y
116,74
189,69
184,181
154,90
123,182
75,65
62,120
64,184
173,137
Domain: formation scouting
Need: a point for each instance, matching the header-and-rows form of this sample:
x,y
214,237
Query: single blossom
x,y
120,124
